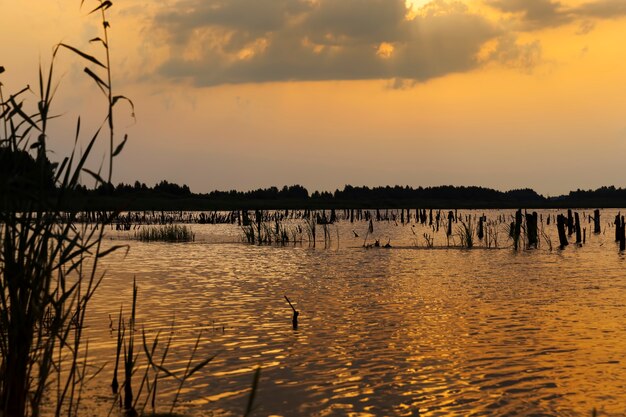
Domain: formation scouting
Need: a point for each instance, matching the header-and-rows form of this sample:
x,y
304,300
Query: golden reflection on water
x,y
382,332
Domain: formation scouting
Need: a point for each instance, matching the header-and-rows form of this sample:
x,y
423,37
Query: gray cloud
x,y
585,27
213,42
238,41
511,53
254,16
535,13
539,14
604,9
359,20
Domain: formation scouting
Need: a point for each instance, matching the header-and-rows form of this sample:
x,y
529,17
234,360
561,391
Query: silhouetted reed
x,y
370,230
48,258
311,231
274,232
546,237
466,234
255,384
165,233
134,402
491,234
430,241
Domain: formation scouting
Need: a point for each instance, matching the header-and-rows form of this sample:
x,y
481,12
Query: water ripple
x,y
382,332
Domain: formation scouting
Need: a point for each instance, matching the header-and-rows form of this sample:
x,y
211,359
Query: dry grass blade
x,y
103,6
83,159
114,249
119,147
200,366
120,339
83,55
95,175
98,39
101,84
17,109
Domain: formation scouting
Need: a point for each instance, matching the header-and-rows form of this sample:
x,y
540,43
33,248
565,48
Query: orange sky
x,y
239,94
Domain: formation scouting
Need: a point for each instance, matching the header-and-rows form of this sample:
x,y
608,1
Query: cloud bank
x,y
241,41
539,14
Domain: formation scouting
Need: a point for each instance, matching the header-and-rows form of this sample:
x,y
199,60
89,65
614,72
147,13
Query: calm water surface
x,y
401,331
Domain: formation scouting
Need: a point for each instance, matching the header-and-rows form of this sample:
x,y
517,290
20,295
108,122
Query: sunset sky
x,y
253,93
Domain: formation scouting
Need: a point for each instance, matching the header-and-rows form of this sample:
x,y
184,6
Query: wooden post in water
x,y
296,313
518,228
570,222
450,220
560,225
481,233
578,236
618,225
532,230
622,236
596,221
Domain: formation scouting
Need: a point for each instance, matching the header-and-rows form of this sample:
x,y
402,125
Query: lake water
x,y
401,331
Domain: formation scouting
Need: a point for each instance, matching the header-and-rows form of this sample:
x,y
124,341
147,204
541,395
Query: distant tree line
x,y
19,169
164,187
348,193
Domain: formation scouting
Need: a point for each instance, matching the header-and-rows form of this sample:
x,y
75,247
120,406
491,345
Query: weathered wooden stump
x,y
532,233
481,233
560,225
518,228
622,236
596,221
450,220
577,226
570,223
